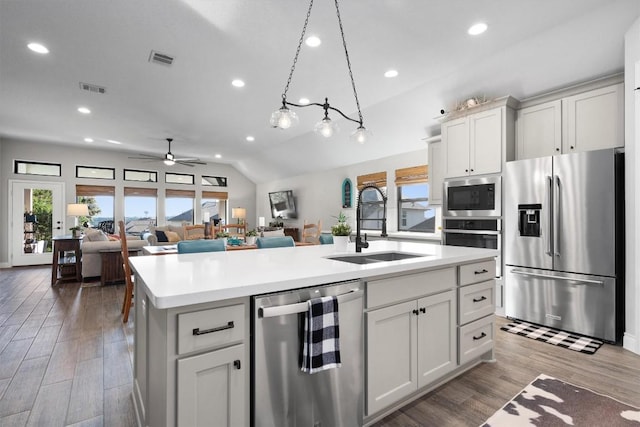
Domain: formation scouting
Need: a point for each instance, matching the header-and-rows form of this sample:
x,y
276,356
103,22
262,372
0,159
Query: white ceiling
x,y
531,47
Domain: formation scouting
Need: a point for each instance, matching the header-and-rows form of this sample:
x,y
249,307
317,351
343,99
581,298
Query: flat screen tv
x,y
282,204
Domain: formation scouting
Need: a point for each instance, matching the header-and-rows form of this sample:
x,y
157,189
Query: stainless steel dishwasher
x,y
282,395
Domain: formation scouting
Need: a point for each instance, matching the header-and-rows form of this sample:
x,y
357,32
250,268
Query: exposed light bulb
x,y
477,29
169,162
326,127
361,135
38,48
283,118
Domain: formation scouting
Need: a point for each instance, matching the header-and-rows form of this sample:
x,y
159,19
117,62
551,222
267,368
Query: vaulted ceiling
x,y
530,47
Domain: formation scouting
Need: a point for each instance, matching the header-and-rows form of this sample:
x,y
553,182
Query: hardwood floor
x,y
66,360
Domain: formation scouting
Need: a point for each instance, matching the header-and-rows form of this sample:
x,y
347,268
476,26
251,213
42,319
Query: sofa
x,y
93,242
162,235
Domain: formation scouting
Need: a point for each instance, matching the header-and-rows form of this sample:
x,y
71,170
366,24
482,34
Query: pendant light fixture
x,y
284,118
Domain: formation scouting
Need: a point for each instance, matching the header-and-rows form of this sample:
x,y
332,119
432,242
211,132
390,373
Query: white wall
x,y
241,190
319,195
632,187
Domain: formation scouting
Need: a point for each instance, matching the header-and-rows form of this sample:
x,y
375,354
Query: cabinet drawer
x,y
476,301
386,291
475,339
214,327
477,272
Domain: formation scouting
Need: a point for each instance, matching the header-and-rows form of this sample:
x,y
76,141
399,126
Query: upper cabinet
x,y
585,121
435,172
478,143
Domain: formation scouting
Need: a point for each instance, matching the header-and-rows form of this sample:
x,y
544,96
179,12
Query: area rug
x,y
548,402
554,336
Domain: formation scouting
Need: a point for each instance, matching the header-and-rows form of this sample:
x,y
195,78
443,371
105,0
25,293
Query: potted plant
x,y
222,235
76,231
251,236
341,231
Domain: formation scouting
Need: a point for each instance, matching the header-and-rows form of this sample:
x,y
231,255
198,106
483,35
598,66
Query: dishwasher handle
x,y
301,307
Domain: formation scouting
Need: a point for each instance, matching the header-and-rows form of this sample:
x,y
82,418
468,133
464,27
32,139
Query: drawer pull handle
x,y
482,335
197,331
484,270
423,310
482,298
236,364
416,312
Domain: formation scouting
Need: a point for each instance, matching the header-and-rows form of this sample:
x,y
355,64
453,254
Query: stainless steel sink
x,y
375,257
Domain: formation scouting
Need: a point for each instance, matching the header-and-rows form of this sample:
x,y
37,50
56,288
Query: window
x,y
23,167
372,204
214,206
141,176
414,212
179,206
216,181
101,200
95,172
178,178
140,207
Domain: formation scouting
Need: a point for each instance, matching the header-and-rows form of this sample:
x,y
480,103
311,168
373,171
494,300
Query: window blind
x,y
220,195
180,193
137,191
378,178
412,175
95,190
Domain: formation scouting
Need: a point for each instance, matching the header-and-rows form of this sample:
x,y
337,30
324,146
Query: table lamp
x,y
239,213
76,210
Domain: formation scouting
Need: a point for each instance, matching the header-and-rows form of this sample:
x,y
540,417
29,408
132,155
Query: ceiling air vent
x,y
160,58
93,88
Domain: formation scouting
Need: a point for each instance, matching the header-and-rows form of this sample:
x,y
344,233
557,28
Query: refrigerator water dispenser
x,y
529,220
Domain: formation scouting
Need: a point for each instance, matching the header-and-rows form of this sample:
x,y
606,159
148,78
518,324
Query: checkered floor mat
x,y
554,336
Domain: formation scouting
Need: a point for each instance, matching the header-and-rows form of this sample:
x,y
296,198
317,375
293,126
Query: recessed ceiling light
x,y
237,83
391,73
88,140
38,48
250,138
313,41
218,156
304,101
112,141
478,28
84,110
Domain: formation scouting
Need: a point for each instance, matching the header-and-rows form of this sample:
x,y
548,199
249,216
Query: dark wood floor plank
x,y
6,335
118,370
87,393
15,420
90,348
118,406
97,422
50,407
30,327
62,364
22,392
11,357
44,342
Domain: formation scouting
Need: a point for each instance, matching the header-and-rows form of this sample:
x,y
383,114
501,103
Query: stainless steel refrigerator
x,y
564,242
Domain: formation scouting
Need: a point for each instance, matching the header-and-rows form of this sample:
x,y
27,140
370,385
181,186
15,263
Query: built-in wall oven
x,y
473,197
476,233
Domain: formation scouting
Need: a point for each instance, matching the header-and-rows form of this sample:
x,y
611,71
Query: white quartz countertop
x,y
185,279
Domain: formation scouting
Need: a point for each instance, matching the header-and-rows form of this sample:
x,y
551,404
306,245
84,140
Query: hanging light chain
x,y
346,54
295,59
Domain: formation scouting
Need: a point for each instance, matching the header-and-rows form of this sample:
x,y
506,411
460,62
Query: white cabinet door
x,y
539,130
455,137
436,175
485,148
594,119
391,354
211,388
437,342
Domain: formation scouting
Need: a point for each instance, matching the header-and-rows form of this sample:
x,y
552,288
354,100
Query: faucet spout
x,y
363,243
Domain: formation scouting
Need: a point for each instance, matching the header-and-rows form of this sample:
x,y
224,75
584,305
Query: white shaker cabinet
x,y
590,120
435,172
594,119
409,346
539,130
478,143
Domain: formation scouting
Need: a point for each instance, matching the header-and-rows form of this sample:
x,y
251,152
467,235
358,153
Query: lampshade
x,y
239,213
77,209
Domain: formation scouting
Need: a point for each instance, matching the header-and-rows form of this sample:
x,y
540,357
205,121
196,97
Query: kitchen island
x,y
192,323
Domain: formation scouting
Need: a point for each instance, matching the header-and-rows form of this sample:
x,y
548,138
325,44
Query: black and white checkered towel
x,y
321,342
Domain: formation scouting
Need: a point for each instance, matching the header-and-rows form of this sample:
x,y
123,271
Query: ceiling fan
x,y
170,159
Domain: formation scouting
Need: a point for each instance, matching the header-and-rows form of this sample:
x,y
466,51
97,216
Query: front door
x,y
37,215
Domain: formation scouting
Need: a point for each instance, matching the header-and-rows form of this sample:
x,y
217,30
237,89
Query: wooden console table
x,y
67,259
112,271
293,232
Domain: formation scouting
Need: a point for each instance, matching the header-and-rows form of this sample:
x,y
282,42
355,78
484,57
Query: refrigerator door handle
x,y
549,234
549,276
556,217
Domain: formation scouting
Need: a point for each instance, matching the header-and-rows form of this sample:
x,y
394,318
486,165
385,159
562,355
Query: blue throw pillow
x,y
161,236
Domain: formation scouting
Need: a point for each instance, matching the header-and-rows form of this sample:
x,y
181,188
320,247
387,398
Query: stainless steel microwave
x,y
477,197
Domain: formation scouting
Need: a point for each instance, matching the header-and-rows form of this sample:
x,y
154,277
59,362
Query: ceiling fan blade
x,y
146,157
185,163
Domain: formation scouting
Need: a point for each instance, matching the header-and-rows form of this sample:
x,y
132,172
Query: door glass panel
x,y
37,221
